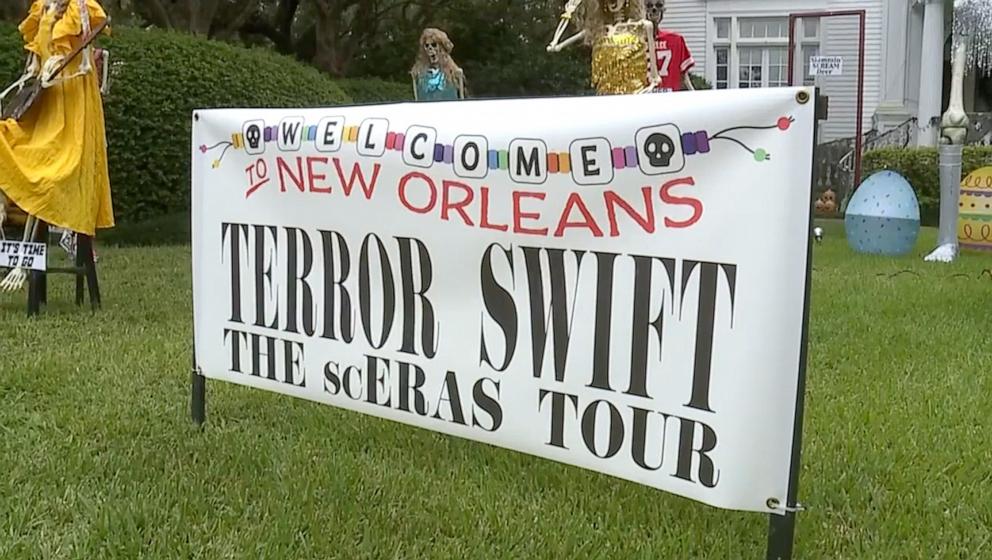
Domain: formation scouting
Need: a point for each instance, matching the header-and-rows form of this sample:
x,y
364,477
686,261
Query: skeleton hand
x,y
31,68
48,78
14,280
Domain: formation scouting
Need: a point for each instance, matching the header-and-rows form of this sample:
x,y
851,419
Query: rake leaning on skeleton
x,y
53,152
972,47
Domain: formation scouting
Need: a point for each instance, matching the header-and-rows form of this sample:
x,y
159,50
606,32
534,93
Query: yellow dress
x,y
53,163
620,63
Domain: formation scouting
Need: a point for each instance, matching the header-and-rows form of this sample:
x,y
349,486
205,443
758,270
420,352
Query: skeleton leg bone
x,y
3,214
954,129
14,280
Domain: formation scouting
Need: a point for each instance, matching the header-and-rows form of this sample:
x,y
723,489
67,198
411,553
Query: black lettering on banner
x,y
528,166
487,403
603,321
257,354
296,277
265,357
234,232
705,323
336,272
616,430
422,137
501,308
374,382
706,472
365,296
561,315
407,388
332,379
236,348
589,168
476,156
263,274
449,394
428,325
290,134
352,372
641,323
470,156
558,414
640,437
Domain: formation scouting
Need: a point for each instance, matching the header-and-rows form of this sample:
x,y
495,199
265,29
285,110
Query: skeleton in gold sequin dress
x,y
622,42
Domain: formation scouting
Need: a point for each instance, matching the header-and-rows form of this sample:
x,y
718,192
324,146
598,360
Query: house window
x,y
753,52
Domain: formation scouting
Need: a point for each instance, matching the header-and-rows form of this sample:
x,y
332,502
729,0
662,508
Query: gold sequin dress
x,y
620,63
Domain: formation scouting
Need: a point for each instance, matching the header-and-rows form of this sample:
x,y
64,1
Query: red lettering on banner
x,y
694,203
447,204
406,201
313,177
519,215
484,221
588,222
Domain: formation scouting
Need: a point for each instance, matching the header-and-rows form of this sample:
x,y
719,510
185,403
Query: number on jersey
x,y
664,61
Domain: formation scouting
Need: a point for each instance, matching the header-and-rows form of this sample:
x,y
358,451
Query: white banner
x,y
30,256
613,282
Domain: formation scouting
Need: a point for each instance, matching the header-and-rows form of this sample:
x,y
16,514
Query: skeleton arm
x,y
461,84
30,70
414,79
653,78
557,44
687,82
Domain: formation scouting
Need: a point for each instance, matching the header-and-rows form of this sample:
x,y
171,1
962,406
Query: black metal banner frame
x,y
782,528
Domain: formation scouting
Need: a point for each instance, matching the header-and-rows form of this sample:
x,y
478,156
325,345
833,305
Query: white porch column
x,y
931,72
892,110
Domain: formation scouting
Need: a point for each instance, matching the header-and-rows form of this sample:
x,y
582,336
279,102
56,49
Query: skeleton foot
x,y
14,280
944,253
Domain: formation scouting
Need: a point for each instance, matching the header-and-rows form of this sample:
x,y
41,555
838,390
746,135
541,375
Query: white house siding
x,y
688,17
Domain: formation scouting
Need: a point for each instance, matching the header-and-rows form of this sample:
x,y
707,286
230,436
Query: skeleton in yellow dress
x,y
622,40
53,161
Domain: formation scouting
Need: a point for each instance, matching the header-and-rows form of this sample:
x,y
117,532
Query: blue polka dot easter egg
x,y
883,216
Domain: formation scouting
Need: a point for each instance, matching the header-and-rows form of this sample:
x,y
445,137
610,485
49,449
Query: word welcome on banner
x,y
616,283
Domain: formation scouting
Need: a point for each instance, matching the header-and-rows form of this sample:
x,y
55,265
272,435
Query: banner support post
x,y
782,528
198,402
198,383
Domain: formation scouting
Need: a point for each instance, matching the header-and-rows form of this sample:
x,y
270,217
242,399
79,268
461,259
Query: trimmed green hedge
x,y
158,79
920,167
374,90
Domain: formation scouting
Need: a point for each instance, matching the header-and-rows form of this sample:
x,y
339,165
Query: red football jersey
x,y
674,59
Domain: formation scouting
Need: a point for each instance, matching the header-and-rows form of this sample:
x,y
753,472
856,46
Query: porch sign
x,y
617,283
826,65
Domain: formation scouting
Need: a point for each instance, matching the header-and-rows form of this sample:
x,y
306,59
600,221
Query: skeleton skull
x,y
433,51
655,10
614,6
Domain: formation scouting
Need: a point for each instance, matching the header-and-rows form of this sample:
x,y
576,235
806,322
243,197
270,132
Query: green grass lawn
x,y
99,459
